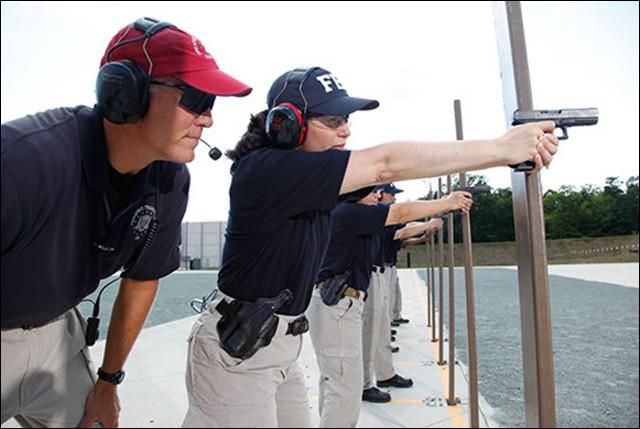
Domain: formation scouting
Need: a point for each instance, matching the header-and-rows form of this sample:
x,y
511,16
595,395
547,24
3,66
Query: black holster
x,y
333,289
246,327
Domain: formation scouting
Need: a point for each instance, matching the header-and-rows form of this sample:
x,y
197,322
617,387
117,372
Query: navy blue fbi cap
x,y
317,91
389,188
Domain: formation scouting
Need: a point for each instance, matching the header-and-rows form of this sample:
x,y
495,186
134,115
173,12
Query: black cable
x,y
92,333
93,322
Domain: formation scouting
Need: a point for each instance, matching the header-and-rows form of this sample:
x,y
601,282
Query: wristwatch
x,y
113,378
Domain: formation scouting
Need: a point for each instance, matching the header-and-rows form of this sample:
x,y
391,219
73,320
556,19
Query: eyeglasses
x,y
192,99
333,122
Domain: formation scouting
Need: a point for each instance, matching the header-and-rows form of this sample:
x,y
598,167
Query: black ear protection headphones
x,y
285,123
122,86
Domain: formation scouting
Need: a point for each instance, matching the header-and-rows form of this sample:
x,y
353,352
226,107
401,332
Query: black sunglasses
x,y
192,99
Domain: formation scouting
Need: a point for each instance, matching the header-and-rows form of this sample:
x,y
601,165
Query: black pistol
x,y
564,118
475,190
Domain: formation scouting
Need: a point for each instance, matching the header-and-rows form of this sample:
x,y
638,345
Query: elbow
x,y
395,215
384,170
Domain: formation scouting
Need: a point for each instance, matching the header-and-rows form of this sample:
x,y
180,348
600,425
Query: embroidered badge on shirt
x,y
141,220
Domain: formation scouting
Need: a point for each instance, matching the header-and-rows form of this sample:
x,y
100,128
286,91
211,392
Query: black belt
x,y
297,326
27,327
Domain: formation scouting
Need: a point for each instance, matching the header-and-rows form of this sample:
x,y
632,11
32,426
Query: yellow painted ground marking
x,y
458,419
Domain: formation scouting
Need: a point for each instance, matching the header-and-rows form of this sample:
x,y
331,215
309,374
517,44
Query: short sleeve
x,y
11,209
163,256
366,220
286,183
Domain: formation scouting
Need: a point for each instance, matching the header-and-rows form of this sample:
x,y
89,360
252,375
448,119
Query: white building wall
x,y
202,244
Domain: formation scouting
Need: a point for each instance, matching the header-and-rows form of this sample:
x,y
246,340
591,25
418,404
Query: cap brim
x,y
343,106
215,82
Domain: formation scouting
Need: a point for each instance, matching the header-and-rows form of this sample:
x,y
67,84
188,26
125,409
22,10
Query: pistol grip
x,y
523,166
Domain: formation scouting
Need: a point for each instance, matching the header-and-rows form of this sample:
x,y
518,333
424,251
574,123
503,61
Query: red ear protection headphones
x,y
285,123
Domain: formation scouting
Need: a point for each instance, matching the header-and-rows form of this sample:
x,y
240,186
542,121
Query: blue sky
x,y
415,58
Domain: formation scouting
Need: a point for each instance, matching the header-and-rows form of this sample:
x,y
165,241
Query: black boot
x,y
396,381
374,394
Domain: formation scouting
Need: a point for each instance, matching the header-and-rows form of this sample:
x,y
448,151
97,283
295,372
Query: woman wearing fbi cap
x,y
289,169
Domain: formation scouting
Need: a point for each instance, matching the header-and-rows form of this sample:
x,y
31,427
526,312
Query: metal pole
x,y
433,288
535,310
451,400
427,279
186,246
441,360
469,292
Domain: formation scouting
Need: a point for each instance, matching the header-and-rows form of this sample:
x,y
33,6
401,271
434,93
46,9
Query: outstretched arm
x,y
413,210
409,231
402,160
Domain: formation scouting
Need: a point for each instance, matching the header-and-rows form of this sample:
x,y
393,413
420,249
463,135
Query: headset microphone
x,y
214,152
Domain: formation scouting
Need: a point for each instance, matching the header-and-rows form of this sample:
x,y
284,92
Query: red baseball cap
x,y
174,52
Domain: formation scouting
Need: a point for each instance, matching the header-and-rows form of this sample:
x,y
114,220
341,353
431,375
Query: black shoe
x,y
399,321
375,395
396,381
393,338
395,349
394,324
393,332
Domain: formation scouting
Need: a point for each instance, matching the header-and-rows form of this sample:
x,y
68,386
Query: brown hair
x,y
254,138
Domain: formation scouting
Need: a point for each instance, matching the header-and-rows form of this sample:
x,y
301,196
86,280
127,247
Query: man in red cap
x,y
86,193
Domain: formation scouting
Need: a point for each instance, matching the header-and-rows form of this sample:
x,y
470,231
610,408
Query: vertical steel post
x,y
451,400
469,292
186,246
433,288
441,360
535,310
427,280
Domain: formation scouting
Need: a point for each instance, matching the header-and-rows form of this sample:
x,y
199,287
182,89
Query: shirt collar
x,y
95,161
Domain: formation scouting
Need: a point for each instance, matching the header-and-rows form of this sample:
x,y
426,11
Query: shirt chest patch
x,y
141,220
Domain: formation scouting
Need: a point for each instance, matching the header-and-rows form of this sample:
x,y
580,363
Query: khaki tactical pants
x,y
336,334
47,373
376,334
266,390
395,301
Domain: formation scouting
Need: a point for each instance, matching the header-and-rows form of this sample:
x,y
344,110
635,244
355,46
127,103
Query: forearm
x,y
402,160
129,314
412,210
410,160
415,241
410,231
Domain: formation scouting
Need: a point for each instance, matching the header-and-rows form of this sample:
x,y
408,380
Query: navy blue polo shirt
x,y
353,229
61,232
391,246
279,223
378,249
